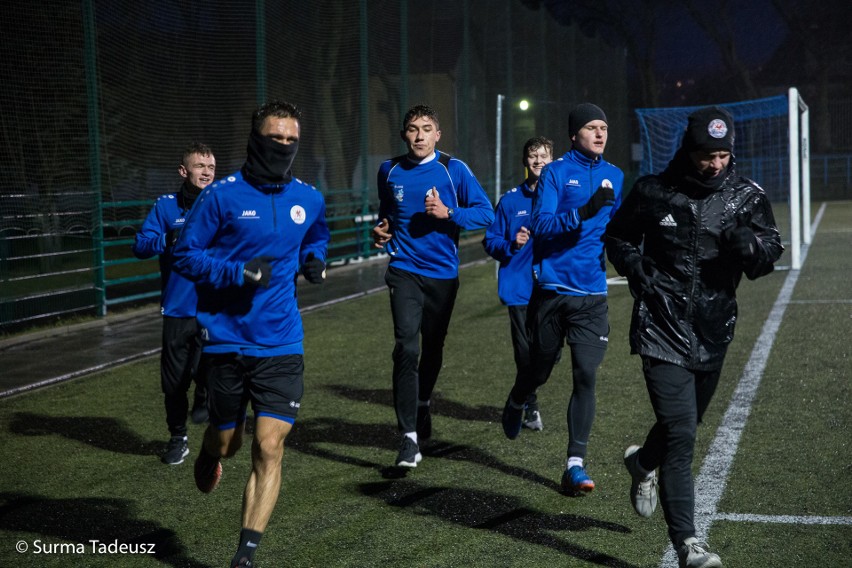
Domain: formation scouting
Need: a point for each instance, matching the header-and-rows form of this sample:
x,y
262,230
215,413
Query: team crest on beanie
x,y
717,128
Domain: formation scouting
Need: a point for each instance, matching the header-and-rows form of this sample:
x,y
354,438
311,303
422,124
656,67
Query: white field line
x,y
713,477
783,519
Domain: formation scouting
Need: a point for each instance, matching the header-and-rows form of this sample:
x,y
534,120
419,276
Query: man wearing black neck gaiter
x,y
247,239
684,239
181,341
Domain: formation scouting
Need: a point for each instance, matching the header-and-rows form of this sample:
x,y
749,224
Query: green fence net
x,y
99,97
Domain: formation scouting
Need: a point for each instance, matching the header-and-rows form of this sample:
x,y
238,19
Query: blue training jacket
x,y
515,276
568,254
177,294
231,223
422,244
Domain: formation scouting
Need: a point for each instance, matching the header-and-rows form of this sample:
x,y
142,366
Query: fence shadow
x,y
497,513
82,520
99,432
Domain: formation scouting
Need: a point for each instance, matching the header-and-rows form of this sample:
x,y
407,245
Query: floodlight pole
x,y
498,141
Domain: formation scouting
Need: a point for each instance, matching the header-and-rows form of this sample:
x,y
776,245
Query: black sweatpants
x,y
421,308
178,366
521,345
583,323
679,397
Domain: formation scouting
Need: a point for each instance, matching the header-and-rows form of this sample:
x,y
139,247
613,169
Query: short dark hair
x,y
420,111
534,144
276,108
195,147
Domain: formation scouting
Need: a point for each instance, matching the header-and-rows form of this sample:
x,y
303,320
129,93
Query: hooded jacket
x,y
675,224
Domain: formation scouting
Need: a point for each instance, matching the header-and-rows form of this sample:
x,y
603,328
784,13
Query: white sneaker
x,y
643,488
693,554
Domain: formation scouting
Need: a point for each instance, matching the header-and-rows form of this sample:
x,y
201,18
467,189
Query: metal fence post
x,y
90,36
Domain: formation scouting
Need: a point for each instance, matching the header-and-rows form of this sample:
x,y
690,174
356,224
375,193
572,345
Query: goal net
x,y
771,148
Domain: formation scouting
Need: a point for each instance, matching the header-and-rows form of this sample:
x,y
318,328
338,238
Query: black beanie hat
x,y
583,114
709,128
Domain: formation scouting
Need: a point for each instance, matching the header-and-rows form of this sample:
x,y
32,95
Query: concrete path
x,y
49,356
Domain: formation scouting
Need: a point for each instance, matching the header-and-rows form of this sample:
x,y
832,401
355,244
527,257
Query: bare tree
x,y
821,31
718,25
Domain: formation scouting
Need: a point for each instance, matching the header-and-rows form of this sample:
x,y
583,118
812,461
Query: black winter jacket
x,y
675,226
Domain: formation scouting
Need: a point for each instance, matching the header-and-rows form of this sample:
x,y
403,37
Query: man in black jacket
x,y
683,239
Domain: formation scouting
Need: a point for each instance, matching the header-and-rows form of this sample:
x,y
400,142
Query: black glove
x,y
313,269
740,241
642,277
172,237
601,198
257,272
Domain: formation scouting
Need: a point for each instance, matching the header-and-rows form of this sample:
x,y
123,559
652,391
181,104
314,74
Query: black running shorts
x,y
273,385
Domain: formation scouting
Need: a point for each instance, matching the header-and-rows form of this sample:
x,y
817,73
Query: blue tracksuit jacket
x,y
421,244
515,276
231,223
568,254
177,297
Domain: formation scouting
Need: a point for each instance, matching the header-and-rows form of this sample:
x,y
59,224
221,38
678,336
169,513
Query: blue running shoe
x,y
512,419
575,481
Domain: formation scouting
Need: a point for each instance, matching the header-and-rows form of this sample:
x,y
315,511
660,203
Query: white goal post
x,y
771,148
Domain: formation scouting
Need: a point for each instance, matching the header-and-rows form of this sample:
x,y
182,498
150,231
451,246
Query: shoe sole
x,y
578,490
180,461
417,459
212,483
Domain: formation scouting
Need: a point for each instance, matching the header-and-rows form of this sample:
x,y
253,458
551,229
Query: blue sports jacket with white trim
x,y
568,254
422,244
231,223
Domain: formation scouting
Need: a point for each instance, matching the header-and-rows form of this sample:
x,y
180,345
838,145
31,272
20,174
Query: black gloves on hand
x,y
257,271
642,277
313,269
172,237
602,197
740,241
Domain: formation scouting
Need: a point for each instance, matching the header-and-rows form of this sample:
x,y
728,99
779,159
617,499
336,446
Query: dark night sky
x,y
684,47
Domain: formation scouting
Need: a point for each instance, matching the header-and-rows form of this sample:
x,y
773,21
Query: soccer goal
x,y
771,148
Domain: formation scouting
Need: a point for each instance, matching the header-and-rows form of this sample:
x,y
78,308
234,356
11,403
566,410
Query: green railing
x,y
129,279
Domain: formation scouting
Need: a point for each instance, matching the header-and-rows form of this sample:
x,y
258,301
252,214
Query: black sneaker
x,y
243,562
409,453
424,423
532,417
199,412
512,417
176,451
